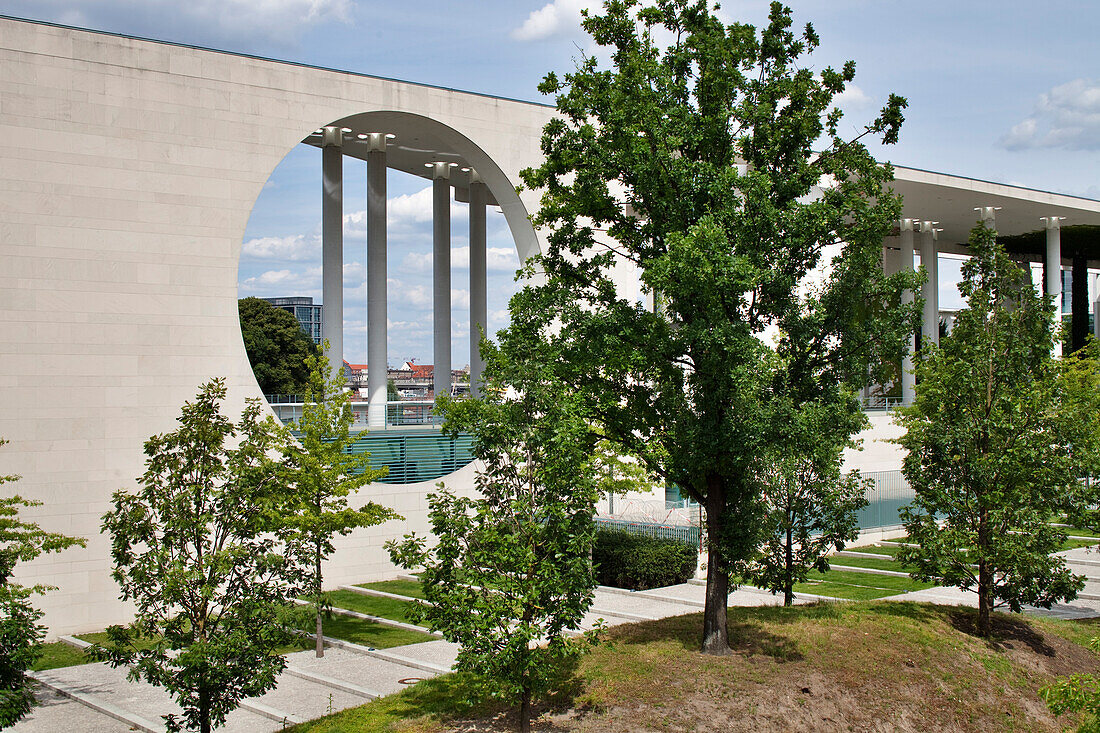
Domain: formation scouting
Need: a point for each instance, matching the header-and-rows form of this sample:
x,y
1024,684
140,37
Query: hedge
x,y
638,562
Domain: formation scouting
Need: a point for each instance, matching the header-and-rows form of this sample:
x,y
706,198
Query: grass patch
x,y
58,654
860,666
890,550
1072,544
367,633
390,608
843,590
873,563
409,588
871,580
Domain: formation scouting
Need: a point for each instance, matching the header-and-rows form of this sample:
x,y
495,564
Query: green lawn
x,y
873,563
390,608
877,549
59,654
854,585
368,633
842,590
409,588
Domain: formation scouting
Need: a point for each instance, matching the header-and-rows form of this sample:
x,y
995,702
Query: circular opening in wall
x,y
310,274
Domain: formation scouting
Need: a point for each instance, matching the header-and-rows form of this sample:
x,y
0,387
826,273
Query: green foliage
x,y
997,437
277,346
322,474
511,574
638,562
196,551
811,504
20,633
696,163
1075,694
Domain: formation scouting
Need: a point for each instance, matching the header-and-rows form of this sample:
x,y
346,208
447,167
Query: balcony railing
x,y
399,413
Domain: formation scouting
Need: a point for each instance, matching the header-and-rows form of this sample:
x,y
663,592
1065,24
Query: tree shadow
x,y
1006,631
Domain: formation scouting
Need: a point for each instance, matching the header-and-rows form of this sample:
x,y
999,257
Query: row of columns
x,y
929,254
332,266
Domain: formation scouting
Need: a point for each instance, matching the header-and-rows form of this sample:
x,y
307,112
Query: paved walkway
x,y
94,697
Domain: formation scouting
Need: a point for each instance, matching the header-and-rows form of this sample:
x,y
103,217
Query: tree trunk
x,y
715,633
985,577
204,709
525,709
788,562
320,632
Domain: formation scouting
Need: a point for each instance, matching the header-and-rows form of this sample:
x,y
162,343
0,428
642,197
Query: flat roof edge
x,y
256,57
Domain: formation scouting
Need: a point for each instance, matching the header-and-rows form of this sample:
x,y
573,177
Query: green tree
x,y
277,346
511,573
324,471
810,503
195,550
695,164
996,439
20,633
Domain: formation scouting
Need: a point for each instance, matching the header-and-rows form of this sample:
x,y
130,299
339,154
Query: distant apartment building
x,y
308,314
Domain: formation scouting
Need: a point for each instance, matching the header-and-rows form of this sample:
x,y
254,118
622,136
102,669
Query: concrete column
x,y
332,246
377,356
930,291
1052,270
988,215
441,277
478,302
908,384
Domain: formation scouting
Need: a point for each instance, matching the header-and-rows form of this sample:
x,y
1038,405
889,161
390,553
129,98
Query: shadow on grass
x,y
1005,629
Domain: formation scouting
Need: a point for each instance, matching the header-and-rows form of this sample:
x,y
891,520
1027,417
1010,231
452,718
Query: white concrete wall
x,y
129,170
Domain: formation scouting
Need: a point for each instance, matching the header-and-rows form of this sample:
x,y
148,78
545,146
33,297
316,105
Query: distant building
x,y
308,314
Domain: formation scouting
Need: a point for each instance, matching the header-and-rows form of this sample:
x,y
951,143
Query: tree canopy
x,y
277,346
695,161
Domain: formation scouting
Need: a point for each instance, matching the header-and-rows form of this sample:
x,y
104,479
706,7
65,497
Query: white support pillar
x,y
377,355
332,246
1052,268
441,277
930,291
908,384
478,301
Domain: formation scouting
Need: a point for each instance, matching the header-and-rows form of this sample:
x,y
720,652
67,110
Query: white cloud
x,y
283,282
497,259
293,248
1068,117
555,18
204,21
411,209
852,98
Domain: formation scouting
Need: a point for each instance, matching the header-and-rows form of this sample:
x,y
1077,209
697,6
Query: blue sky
x,y
1006,91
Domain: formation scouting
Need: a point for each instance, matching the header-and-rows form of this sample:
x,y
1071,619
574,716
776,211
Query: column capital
x,y
928,226
988,213
908,225
376,141
1052,222
440,169
332,136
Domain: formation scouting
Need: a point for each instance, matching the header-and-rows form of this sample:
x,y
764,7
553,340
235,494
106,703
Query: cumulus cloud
x,y
292,248
207,22
852,98
281,282
556,18
497,259
1068,117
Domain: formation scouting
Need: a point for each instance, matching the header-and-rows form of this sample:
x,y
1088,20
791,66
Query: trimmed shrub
x,y
639,562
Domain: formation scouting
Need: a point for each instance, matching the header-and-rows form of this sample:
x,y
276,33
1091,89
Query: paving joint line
x,y
336,684
101,706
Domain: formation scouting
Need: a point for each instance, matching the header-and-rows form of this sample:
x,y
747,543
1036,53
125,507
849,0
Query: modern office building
x,y
129,171
307,313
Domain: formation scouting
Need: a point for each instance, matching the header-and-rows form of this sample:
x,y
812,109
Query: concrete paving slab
x,y
56,712
646,607
441,653
367,671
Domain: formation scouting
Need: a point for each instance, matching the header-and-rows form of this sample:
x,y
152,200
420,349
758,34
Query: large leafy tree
x,y
324,471
20,633
277,346
997,438
697,164
511,572
195,549
810,503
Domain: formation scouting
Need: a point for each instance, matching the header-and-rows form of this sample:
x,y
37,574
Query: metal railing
x,y
885,499
879,402
399,413
684,533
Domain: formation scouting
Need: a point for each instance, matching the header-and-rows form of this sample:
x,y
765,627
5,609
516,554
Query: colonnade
x,y
332,266
929,255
